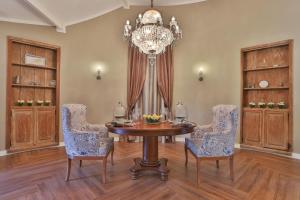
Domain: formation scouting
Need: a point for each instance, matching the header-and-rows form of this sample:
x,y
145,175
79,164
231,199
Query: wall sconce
x,y
201,75
98,77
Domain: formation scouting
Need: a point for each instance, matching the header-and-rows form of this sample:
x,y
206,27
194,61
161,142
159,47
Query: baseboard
x,y
296,155
178,139
3,153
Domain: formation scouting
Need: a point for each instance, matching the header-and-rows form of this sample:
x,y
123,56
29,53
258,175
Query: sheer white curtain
x,y
150,101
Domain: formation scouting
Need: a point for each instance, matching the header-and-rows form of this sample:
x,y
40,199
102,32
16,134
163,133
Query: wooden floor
x,y
40,175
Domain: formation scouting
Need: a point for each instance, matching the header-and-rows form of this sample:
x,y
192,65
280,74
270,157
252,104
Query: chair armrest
x,y
199,131
101,129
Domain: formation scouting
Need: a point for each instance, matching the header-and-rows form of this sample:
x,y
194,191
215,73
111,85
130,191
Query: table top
x,y
143,129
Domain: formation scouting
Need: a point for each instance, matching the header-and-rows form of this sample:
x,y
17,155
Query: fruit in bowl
x,y
152,119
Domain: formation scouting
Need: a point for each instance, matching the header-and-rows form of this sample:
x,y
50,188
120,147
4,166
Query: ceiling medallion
x,y
149,34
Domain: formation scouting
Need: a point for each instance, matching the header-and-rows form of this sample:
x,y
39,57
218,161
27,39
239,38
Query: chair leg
x,y
186,155
68,169
198,171
80,163
217,163
231,167
104,170
112,155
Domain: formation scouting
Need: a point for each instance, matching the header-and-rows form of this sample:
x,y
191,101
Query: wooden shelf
x,y
33,86
269,88
34,66
266,68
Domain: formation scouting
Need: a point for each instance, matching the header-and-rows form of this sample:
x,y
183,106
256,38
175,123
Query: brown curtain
x,y
137,66
165,76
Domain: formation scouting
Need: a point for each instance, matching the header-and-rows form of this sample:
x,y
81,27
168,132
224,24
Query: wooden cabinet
x,y
45,126
276,130
252,127
267,127
32,127
33,77
22,128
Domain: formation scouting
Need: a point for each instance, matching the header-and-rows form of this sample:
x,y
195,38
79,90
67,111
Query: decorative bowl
x,y
152,119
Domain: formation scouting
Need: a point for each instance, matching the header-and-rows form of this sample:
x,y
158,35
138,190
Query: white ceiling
x,y
62,13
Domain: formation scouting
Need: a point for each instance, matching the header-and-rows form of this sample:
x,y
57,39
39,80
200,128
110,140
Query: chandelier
x,y
150,35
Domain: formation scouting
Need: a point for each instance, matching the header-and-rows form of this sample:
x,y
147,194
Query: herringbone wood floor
x,y
40,175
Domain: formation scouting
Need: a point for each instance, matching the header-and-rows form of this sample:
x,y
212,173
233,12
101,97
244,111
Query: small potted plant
x,y
152,119
271,105
29,102
281,105
39,102
47,103
20,102
252,104
262,104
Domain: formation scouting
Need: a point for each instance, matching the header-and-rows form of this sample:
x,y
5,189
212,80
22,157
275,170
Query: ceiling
x,y
62,13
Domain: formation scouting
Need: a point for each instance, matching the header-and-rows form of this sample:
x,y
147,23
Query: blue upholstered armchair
x,y
216,140
84,141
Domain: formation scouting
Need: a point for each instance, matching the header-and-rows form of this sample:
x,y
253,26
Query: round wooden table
x,y
150,135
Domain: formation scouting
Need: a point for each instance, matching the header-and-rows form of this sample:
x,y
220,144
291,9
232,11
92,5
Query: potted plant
x,y
262,104
47,103
20,102
152,119
271,105
252,104
39,102
281,105
29,102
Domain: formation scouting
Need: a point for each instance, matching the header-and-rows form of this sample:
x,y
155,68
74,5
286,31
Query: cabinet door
x,y
252,127
22,128
45,126
276,129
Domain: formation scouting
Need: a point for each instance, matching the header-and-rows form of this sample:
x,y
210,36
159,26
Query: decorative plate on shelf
x,y
263,84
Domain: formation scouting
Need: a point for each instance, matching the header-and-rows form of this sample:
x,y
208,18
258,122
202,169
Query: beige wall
x,y
214,32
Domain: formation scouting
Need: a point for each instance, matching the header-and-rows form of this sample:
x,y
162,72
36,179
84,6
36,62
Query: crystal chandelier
x,y
149,35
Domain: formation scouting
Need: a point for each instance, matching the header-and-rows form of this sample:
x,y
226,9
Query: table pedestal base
x,y
140,166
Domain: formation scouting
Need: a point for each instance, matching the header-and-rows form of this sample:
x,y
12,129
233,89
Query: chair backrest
x,y
74,117
225,117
